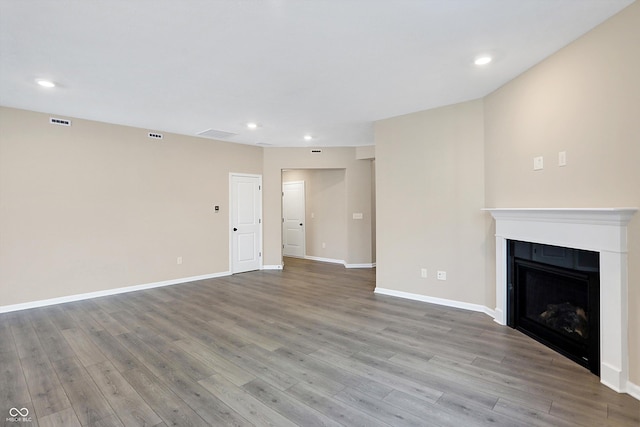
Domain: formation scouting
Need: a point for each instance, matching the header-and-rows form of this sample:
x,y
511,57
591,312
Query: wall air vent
x,y
155,135
316,151
216,134
59,122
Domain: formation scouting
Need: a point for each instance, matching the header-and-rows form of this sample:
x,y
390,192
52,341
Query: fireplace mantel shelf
x,y
563,209
602,230
614,216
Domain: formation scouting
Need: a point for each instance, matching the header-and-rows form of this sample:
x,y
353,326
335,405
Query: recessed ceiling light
x,y
252,125
46,83
482,60
308,137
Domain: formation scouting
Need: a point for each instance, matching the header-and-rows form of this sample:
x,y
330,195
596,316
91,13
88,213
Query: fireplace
x,y
553,295
600,230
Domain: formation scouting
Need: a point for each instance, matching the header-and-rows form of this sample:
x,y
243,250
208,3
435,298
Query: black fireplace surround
x,y
553,295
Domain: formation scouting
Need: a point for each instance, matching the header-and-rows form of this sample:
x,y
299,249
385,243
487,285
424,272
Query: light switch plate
x,y
538,163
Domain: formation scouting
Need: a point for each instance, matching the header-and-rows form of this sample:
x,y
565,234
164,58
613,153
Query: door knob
x,y
235,229
300,224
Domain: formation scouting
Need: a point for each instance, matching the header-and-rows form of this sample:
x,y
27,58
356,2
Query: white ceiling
x,y
328,68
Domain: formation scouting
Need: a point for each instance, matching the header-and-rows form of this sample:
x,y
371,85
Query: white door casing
x,y
293,218
245,223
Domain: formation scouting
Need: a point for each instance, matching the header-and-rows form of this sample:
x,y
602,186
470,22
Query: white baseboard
x,y
339,261
366,265
489,312
107,292
273,267
633,390
331,260
434,300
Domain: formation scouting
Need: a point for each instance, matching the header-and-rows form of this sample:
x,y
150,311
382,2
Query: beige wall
x,y
584,100
99,206
431,180
326,211
366,152
358,197
96,206
430,189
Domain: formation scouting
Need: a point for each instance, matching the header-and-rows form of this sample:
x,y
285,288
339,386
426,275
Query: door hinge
x,y
259,254
282,246
282,219
259,187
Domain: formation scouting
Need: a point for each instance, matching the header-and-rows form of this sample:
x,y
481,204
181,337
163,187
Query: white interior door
x,y
246,223
293,219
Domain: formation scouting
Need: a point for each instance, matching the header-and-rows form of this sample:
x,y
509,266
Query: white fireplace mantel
x,y
603,230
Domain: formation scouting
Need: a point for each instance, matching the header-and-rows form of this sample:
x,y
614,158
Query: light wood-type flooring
x,y
310,345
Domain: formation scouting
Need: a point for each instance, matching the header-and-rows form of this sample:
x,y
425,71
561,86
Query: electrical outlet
x,y
562,158
442,275
423,273
179,260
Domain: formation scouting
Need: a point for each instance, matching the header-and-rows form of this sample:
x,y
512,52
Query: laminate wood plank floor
x,y
311,345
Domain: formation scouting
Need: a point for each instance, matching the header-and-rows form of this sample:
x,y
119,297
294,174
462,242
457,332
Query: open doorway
x,y
321,227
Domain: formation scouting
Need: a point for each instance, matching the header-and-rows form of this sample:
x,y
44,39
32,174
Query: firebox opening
x,y
553,296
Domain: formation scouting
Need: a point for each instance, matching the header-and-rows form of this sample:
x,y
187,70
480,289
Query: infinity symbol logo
x,y
14,412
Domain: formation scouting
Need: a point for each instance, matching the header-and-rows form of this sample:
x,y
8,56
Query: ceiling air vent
x,y
316,151
216,134
59,122
155,135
